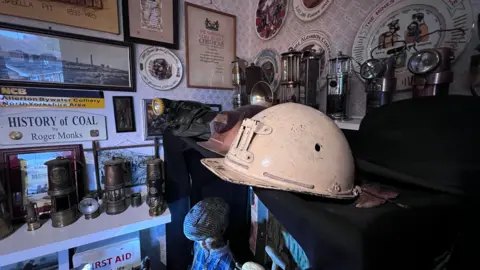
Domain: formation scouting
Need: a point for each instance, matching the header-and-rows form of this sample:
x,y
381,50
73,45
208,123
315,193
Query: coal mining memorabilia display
x,y
115,200
156,187
61,190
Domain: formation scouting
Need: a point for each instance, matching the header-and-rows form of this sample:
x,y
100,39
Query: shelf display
x,y
393,25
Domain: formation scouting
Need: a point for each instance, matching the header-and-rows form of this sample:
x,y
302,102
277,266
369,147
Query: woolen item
x,y
208,218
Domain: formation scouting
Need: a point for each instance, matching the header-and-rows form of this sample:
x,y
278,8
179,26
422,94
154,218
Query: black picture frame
x,y
176,36
129,47
117,111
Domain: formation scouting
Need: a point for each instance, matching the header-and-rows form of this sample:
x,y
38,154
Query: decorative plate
x,y
160,68
307,10
318,41
270,16
269,61
394,23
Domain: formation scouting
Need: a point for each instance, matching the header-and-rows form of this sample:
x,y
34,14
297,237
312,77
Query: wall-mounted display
x,y
152,22
270,17
211,47
44,58
269,61
26,175
44,126
160,68
394,25
154,125
307,10
134,168
124,114
99,15
31,97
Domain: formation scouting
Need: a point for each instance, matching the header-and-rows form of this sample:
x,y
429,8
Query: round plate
x,y
160,68
318,41
406,20
269,61
307,10
270,16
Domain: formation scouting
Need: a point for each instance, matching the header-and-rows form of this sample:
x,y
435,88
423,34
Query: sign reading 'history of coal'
x,y
43,126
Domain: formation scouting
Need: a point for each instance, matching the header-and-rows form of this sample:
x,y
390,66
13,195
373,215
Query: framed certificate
x,y
211,48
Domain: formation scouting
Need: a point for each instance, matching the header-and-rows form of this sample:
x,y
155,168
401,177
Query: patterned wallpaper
x,y
341,21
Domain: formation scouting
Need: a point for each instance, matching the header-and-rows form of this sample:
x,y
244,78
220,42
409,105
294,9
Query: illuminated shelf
x,y
353,124
23,245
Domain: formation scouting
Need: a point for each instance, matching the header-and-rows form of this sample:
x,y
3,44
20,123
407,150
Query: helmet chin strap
x,y
382,198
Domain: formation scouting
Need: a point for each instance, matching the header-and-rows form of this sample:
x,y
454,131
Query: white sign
x,y
42,126
307,10
160,68
394,24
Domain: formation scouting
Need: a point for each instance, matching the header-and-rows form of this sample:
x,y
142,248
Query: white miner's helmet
x,y
289,147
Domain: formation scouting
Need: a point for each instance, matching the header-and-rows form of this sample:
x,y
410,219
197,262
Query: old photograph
x,y
46,59
124,114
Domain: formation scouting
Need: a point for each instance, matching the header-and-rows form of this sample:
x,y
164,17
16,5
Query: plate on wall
x,y
160,68
318,41
308,10
270,16
269,61
394,21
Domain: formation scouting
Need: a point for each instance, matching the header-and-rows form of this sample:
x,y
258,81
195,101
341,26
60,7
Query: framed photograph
x,y
25,176
152,22
124,114
33,57
153,125
211,47
99,15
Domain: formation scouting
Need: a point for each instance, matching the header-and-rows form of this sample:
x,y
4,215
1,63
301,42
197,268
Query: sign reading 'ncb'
x,y
44,126
12,97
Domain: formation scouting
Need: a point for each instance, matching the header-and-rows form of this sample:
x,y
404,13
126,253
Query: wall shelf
x,y
22,245
352,124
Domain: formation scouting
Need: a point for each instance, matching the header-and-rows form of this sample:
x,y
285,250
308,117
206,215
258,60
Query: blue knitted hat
x,y
208,218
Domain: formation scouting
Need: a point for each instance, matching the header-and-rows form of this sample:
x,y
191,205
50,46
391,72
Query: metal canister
x,y
156,187
59,177
115,200
62,192
33,222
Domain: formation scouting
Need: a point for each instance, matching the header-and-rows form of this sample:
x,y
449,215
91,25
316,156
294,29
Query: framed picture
x,y
153,125
99,15
124,114
210,40
33,57
152,22
25,176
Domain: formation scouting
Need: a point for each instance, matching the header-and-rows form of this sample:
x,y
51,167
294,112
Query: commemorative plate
x,y
307,10
270,16
269,61
160,68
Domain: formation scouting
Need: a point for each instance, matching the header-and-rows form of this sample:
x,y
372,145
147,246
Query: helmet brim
x,y
214,146
220,169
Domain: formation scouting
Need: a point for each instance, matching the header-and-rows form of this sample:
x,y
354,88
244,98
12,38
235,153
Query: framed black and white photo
x,y
45,58
124,114
154,125
152,22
